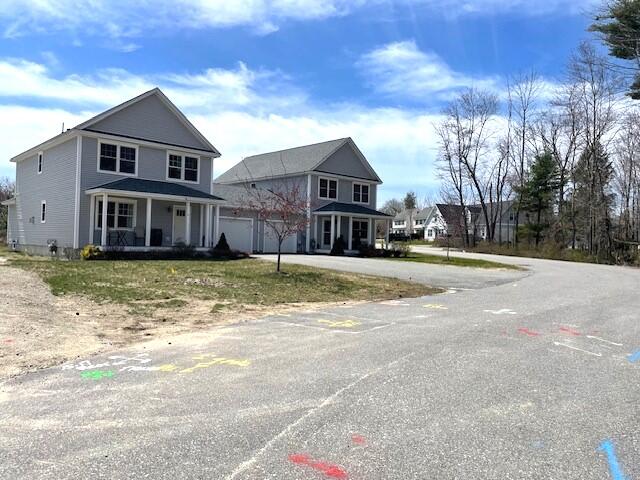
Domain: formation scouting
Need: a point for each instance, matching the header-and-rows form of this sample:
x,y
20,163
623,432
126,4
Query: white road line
x,y
605,341
327,401
576,348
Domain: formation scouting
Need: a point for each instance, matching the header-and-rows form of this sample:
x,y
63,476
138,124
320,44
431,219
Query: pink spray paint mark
x,y
8,340
358,439
328,469
570,331
528,332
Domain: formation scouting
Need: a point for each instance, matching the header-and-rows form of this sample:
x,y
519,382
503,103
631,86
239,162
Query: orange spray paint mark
x,y
332,471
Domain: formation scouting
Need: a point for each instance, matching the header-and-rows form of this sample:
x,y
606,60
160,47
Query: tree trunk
x,y
279,248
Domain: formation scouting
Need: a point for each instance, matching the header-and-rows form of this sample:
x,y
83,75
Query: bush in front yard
x,y
222,246
91,252
338,247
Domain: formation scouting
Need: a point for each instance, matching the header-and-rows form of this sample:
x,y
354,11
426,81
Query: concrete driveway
x,y
527,377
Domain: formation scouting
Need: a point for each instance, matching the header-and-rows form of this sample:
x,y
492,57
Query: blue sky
x,y
258,75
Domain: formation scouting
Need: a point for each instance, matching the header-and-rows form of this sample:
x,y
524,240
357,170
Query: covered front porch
x,y
150,215
356,225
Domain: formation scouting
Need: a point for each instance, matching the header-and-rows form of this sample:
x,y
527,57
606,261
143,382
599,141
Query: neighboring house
x,y
140,176
505,223
338,181
407,222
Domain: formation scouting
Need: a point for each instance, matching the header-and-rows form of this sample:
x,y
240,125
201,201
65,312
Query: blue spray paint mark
x,y
614,467
634,357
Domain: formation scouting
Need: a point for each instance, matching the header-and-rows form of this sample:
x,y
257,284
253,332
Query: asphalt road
x,y
534,375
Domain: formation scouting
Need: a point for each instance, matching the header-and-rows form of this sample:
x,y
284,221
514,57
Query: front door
x,y
179,224
326,234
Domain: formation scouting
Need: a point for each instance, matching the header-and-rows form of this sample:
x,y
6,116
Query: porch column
x,y
187,227
387,225
333,229
316,221
105,207
207,226
371,234
202,207
147,228
350,234
217,226
339,227
92,218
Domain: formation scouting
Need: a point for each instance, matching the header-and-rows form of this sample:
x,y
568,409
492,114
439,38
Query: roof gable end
x,y
347,159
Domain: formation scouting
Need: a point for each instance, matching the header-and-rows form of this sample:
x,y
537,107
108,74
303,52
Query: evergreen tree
x,y
538,192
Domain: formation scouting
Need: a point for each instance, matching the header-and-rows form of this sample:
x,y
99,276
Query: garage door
x,y
289,245
239,233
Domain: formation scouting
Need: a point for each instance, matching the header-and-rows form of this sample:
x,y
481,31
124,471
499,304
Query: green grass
x,y
549,252
454,261
147,285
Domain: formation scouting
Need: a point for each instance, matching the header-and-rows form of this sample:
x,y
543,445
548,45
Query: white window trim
x,y
328,179
43,203
40,162
117,170
353,192
117,201
182,165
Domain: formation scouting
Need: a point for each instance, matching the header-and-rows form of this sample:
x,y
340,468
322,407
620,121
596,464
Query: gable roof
x,y
339,207
452,214
290,161
168,103
426,214
86,126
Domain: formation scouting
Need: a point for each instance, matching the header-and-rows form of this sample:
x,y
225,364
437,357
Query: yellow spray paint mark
x,y
435,306
168,368
216,361
340,323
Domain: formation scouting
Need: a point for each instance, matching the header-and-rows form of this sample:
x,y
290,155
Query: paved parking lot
x,y
525,375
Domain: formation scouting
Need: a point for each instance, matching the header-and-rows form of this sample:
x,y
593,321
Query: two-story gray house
x,y
140,176
340,185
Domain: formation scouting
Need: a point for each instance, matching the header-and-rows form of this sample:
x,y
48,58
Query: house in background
x,y
336,178
140,176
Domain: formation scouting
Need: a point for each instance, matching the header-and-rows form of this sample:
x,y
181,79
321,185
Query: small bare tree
x,y
283,207
7,189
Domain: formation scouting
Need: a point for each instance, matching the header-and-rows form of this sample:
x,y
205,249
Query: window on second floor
x,y
183,168
40,161
398,223
116,158
360,193
328,189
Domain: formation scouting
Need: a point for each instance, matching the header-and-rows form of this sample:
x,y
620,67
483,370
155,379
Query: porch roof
x,y
151,188
9,201
349,209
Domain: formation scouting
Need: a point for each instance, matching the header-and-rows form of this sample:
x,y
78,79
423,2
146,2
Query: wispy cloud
x,y
402,70
111,19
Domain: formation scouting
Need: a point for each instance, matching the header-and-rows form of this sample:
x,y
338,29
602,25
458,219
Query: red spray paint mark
x,y
570,331
8,340
358,439
329,470
528,332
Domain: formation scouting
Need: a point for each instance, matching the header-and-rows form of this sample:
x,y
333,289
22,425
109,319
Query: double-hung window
x,y
184,168
40,161
43,211
116,158
120,215
328,189
360,229
360,193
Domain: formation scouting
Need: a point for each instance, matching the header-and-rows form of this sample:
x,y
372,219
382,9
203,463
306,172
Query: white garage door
x,y
289,245
239,233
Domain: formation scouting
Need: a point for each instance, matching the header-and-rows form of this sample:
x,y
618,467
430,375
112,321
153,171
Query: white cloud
x,y
242,112
401,69
123,18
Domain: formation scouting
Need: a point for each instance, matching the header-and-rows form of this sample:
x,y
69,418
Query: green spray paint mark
x,y
97,374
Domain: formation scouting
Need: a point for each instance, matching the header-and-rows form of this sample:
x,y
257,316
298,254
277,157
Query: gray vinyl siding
x,y
345,162
345,192
150,119
55,185
11,223
152,165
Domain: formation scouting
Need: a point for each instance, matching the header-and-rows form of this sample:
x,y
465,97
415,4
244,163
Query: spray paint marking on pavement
x,y
358,439
502,311
578,349
614,467
634,357
435,306
570,331
97,374
332,471
528,332
340,323
605,341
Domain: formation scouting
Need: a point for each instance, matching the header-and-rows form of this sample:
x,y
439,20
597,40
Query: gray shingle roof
x,y
153,186
283,162
350,208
